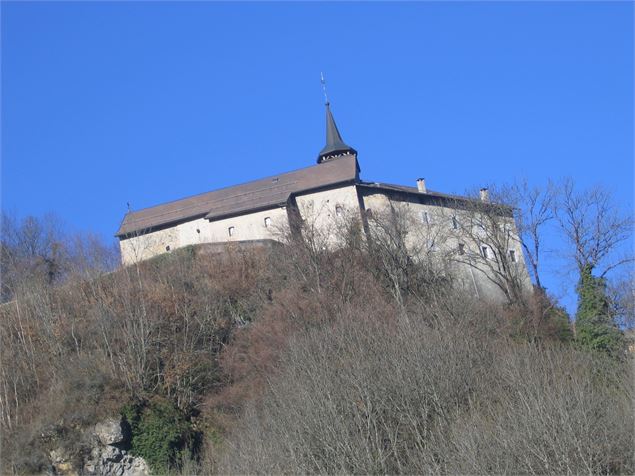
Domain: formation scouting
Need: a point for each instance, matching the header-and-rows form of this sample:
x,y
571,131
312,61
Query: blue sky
x,y
108,103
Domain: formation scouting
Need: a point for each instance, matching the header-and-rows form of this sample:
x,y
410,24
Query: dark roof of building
x,y
334,143
444,197
258,194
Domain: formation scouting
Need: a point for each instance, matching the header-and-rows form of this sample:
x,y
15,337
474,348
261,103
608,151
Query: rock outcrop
x,y
106,453
113,461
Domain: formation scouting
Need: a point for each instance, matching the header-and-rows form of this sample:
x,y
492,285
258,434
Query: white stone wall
x,y
428,224
144,246
246,227
326,211
192,232
432,233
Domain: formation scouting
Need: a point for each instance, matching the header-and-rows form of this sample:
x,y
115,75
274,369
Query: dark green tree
x,y
595,327
160,433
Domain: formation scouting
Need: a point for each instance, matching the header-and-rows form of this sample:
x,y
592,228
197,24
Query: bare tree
x,y
594,227
534,211
410,256
32,248
489,243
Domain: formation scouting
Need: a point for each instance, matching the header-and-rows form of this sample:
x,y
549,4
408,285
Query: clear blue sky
x,y
105,103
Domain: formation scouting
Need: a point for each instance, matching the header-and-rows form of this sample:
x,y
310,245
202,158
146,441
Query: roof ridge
x,y
232,186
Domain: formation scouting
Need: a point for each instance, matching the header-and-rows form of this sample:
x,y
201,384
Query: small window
x,y
198,230
461,249
267,222
455,223
167,248
338,210
512,256
425,218
231,230
485,252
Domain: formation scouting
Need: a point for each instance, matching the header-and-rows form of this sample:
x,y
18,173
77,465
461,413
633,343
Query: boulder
x,y
109,432
62,462
112,461
108,456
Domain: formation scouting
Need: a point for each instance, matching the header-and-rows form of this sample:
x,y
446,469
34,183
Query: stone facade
x,y
436,228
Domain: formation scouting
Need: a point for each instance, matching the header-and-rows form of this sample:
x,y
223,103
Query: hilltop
x,y
303,359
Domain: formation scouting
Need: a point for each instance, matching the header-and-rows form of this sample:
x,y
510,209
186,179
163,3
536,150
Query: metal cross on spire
x,y
323,81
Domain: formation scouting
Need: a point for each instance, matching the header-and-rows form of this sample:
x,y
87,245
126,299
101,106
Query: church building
x,y
256,211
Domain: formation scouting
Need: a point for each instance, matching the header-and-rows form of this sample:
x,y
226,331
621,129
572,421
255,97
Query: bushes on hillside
x,y
375,395
79,352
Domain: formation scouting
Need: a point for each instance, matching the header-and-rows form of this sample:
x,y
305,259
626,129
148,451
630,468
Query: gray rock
x,y
61,461
106,456
112,461
109,432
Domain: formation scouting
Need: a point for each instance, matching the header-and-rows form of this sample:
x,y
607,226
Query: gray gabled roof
x,y
258,194
445,198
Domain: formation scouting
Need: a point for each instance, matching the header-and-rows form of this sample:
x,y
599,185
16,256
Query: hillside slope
x,y
297,359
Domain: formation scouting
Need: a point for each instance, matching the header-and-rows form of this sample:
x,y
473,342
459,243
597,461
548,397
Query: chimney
x,y
421,185
484,195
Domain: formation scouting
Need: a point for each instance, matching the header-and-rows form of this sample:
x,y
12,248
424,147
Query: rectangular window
x,y
231,230
338,210
425,218
461,249
267,222
512,256
455,224
485,252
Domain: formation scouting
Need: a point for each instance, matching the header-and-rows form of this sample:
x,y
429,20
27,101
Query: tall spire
x,y
335,146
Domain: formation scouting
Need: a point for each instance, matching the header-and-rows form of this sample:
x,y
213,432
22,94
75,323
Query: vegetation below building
x,y
304,359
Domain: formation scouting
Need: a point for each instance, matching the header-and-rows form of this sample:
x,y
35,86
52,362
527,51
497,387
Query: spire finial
x,y
323,81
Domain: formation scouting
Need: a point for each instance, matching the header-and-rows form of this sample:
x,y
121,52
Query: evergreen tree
x,y
595,328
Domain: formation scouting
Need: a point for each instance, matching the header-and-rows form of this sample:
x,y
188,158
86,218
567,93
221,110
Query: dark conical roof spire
x,y
335,146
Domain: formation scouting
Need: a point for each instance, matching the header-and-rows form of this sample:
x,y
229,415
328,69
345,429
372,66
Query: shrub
x,y
160,433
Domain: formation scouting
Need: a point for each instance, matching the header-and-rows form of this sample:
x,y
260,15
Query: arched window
x,y
267,222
